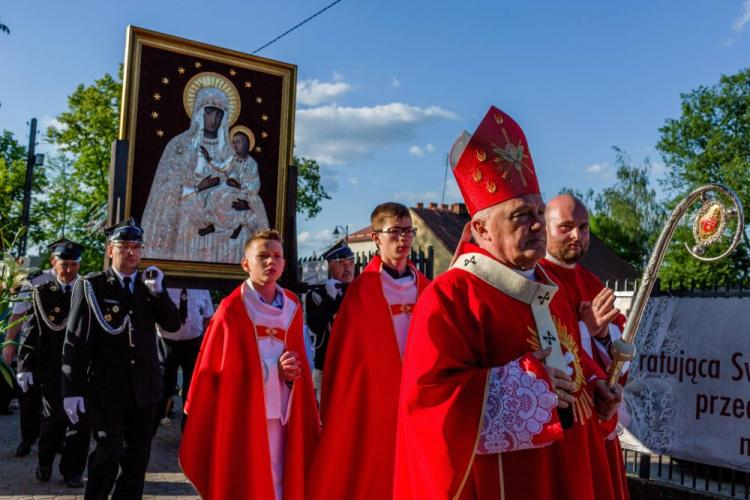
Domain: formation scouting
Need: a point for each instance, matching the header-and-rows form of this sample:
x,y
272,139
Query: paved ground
x,y
164,479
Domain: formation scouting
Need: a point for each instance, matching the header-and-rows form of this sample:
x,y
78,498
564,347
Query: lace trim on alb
x,y
518,407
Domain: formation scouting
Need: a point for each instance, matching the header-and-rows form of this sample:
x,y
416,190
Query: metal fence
x,y
703,478
662,469
423,260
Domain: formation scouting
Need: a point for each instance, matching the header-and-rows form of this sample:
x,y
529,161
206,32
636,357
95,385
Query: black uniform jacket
x,y
115,370
42,337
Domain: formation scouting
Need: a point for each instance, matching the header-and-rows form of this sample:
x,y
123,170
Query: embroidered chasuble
x,y
359,400
249,435
477,415
581,285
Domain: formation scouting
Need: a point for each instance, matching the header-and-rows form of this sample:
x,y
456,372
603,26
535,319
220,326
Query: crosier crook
x,y
708,226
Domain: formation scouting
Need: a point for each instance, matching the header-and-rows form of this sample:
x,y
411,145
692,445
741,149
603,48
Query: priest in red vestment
x,y
359,400
498,400
568,239
253,420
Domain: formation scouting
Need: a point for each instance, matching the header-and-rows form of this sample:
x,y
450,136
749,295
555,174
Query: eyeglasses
x,y
397,232
125,248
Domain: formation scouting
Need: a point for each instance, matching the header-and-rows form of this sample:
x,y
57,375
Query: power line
x,y
296,26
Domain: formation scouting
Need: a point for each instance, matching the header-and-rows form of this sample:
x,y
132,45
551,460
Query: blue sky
x,y
386,86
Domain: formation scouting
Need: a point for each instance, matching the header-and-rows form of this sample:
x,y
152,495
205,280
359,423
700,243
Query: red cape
x,y
224,451
359,399
462,327
582,286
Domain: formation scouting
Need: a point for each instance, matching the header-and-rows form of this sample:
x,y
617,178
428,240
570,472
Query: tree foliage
x,y
12,182
627,215
709,142
80,178
310,191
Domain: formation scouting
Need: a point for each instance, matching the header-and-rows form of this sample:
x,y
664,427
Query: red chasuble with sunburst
x,y
359,398
581,285
475,420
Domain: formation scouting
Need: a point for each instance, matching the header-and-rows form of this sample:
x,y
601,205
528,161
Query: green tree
x,y
627,216
709,142
12,182
81,174
310,192
77,204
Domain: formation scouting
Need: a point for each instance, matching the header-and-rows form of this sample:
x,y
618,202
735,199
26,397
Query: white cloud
x,y
420,151
314,92
743,19
599,169
333,134
314,241
395,82
50,121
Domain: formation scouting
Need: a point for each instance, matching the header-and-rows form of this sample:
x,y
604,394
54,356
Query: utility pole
x,y
30,161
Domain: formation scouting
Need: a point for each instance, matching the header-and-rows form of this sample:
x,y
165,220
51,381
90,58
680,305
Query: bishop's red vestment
x,y
225,450
359,400
477,415
582,286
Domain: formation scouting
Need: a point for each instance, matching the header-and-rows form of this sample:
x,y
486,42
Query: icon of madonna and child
x,y
204,201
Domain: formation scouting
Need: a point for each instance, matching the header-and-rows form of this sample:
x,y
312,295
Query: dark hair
x,y
389,210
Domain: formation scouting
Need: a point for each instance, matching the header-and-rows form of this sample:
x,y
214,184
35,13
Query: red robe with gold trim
x,y
463,329
224,450
582,286
359,400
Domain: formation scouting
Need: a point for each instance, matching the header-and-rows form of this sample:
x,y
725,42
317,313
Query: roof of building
x,y
606,264
447,222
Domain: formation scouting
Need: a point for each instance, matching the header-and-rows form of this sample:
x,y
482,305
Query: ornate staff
x,y
708,227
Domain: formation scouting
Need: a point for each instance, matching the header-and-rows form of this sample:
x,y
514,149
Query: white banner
x,y
689,388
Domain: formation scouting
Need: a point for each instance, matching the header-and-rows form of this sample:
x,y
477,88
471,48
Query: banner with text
x,y
689,387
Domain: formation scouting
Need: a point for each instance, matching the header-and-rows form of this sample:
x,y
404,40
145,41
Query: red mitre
x,y
494,164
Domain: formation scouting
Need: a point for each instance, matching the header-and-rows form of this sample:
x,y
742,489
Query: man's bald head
x,y
567,228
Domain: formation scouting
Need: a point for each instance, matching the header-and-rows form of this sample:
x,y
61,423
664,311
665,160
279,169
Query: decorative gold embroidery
x,y
481,155
477,175
583,405
511,156
491,187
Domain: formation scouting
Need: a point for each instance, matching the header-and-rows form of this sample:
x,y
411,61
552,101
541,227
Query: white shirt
x,y
276,392
400,291
22,306
199,307
121,278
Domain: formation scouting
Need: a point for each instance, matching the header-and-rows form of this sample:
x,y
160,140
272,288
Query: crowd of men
x,y
488,382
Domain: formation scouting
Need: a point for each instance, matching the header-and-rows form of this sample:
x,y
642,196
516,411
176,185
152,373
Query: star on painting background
x,y
230,72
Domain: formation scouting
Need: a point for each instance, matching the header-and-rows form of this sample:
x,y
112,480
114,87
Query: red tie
x,y
275,333
397,309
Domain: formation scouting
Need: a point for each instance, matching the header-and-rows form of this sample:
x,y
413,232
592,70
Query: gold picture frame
x,y
171,89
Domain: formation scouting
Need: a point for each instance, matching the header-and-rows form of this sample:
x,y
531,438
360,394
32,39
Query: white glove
x,y
153,284
25,380
72,406
330,285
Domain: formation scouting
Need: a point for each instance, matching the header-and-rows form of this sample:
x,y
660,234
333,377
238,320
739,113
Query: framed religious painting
x,y
209,136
